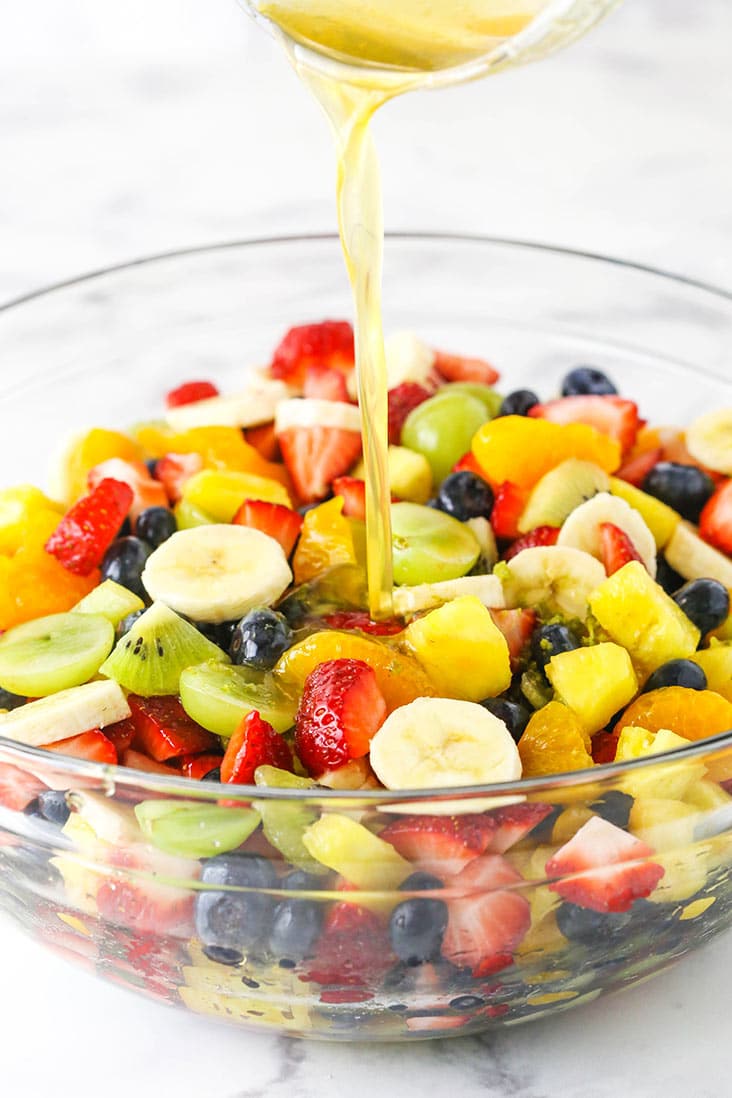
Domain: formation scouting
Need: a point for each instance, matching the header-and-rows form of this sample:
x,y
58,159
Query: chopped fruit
x,y
441,845
605,747
353,493
278,522
535,539
636,467
34,584
218,447
611,415
617,548
324,383
353,952
517,627
121,735
594,682
554,741
458,368
442,428
715,523
326,541
403,400
693,714
410,475
17,787
316,455
521,450
660,519
340,712
175,470
18,507
190,392
363,859
562,491
135,760
92,449
165,731
487,923
199,767
255,743
359,619
264,441
329,343
508,507
716,663
220,494
93,746
515,822
147,492
603,868
429,546
89,528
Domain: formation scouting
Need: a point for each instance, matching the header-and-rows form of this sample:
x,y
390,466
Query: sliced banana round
x,y
439,743
256,405
582,529
426,596
709,440
65,714
217,573
562,579
309,412
694,558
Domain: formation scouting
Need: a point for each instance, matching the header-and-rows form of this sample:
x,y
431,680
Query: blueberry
x,y
155,525
677,673
152,467
518,403
683,487
125,529
294,609
10,701
126,624
421,882
551,640
464,496
514,715
587,927
220,634
614,807
587,381
124,562
230,923
52,806
667,576
213,775
416,930
260,639
296,924
705,602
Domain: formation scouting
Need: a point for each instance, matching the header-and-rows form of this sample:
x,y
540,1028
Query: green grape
x,y
430,546
54,653
487,396
188,516
219,696
443,428
111,600
191,829
284,823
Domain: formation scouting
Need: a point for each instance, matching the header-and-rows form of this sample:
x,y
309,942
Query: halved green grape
x,y
54,653
111,600
284,824
190,829
487,396
219,696
188,516
429,545
442,428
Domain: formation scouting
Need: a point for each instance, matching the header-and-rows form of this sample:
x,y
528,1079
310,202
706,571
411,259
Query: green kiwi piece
x,y
188,516
54,653
111,600
190,829
219,696
284,824
150,658
561,491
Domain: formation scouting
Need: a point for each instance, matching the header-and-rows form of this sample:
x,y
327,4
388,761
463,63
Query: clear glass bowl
x,y
102,350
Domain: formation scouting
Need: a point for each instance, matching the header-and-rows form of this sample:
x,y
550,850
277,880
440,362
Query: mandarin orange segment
x,y
33,584
325,542
693,714
522,450
92,449
220,447
554,741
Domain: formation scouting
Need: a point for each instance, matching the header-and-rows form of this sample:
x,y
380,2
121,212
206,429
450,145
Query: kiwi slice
x,y
111,600
54,653
561,491
194,830
160,645
218,697
285,824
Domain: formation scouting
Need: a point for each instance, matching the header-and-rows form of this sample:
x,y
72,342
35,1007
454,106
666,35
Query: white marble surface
x,y
138,127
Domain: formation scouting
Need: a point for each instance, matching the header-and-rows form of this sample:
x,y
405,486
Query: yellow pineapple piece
x,y
594,682
220,493
17,507
660,519
569,822
326,541
708,796
685,874
724,633
410,474
362,858
88,450
663,823
716,663
671,781
633,743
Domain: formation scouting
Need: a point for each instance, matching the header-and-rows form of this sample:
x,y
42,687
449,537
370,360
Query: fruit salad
x,y
190,602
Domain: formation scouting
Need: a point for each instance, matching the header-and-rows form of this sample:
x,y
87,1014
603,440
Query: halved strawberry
x,y
274,519
637,468
611,415
340,712
441,845
605,747
517,627
359,619
190,392
315,456
175,470
403,400
468,463
165,731
198,766
508,507
121,734
541,536
715,523
617,548
17,787
458,368
325,383
264,441
353,492
92,746
135,760
147,491
329,343
353,952
603,868
85,532
254,743
488,922
514,822
132,896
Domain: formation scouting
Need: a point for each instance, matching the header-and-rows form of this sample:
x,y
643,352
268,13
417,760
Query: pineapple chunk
x,y
664,823
708,796
349,848
672,780
17,506
660,519
639,615
221,492
462,650
716,663
633,743
594,682
410,474
685,874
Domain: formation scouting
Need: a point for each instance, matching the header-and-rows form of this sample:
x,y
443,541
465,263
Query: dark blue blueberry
x,y
465,496
10,701
614,807
125,529
667,576
434,504
155,525
126,624
514,715
551,640
232,922
416,930
467,1002
587,381
260,639
591,928
124,562
677,673
705,602
294,609
518,403
219,633
213,775
421,882
297,923
52,806
223,956
152,467
683,487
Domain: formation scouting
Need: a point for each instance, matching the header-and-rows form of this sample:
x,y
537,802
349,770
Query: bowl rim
x,y
517,790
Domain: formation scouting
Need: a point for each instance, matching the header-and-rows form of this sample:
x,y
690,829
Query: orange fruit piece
x,y
92,449
521,450
33,584
693,714
220,448
554,742
326,541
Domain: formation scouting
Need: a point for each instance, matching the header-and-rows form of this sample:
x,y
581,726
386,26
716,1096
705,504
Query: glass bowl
x,y
312,956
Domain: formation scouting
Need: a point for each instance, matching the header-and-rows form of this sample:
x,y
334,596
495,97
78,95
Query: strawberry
x,y
517,627
611,415
490,919
353,952
190,392
17,788
637,468
359,619
516,821
132,897
254,743
92,746
469,464
353,492
441,845
264,441
340,712
508,507
274,519
135,760
403,400
315,456
541,536
329,343
175,470
605,747
715,523
457,368
198,766
147,491
121,734
325,383
617,548
85,532
165,731
603,868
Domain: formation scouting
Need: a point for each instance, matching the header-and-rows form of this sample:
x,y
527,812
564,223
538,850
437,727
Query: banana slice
x,y
483,531
255,405
65,714
562,578
581,529
709,440
425,596
308,412
693,558
217,573
438,743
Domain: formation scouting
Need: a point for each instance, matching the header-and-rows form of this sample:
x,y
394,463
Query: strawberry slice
x,y
508,507
469,464
135,760
175,470
264,441
325,383
352,954
403,400
603,868
611,415
458,368
274,519
715,523
329,343
605,747
340,712
254,743
85,532
359,619
541,536
147,491
514,822
315,456
617,548
17,788
636,469
441,845
198,766
488,922
132,897
517,627
190,392
165,731
121,734
92,746
353,492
